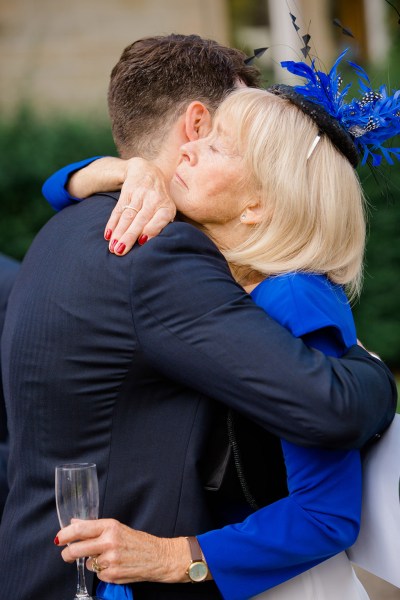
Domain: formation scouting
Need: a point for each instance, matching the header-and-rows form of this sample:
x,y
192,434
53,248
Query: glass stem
x,y
81,591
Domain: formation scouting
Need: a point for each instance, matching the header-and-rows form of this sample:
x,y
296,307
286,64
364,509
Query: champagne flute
x,y
77,497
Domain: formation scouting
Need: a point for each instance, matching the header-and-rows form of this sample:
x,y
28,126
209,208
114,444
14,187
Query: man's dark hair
x,y
155,80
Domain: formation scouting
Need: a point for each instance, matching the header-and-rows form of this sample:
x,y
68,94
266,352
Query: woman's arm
x,y
105,174
55,188
321,515
124,554
198,327
143,189
318,519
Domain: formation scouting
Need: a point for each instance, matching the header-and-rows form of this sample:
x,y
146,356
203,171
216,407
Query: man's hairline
x,y
238,84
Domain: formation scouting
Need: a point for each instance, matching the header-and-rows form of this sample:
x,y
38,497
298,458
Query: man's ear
x,y
197,121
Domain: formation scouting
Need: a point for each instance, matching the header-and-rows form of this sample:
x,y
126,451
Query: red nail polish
x,y
113,243
120,248
56,540
143,239
107,234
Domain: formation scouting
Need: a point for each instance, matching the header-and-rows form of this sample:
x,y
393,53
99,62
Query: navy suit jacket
x,y
115,360
8,272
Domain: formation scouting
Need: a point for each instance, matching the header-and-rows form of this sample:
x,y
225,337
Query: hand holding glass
x,y
77,497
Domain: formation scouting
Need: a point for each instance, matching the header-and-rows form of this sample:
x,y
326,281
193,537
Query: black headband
x,y
324,121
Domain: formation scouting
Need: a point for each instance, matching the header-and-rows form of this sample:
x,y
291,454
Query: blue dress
x,y
321,515
54,188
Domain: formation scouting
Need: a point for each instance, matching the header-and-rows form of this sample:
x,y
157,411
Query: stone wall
x,y
58,54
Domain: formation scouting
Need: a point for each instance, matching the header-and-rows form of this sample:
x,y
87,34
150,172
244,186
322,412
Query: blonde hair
x,y
313,208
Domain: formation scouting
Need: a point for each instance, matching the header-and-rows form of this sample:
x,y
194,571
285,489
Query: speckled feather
x,y
371,120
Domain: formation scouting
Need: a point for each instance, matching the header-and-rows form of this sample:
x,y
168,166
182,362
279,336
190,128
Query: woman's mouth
x,y
180,180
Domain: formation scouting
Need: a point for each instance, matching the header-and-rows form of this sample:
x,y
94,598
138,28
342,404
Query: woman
x,y
289,218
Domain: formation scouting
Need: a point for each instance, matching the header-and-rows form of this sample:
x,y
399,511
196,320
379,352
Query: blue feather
x,y
374,118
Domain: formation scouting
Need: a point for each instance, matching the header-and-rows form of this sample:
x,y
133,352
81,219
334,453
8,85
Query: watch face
x,y
198,571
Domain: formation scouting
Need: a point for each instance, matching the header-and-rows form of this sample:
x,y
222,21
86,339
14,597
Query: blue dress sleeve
x,y
321,515
54,188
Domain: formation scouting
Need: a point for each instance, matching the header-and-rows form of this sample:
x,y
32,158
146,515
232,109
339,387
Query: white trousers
x,y
333,579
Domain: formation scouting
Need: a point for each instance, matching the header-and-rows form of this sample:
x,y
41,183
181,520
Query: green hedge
x,y
31,149
377,313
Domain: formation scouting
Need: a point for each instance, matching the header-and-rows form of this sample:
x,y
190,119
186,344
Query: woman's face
x,y
209,185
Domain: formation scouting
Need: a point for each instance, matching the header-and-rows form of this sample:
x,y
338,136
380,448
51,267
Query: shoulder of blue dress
x,y
299,281
306,302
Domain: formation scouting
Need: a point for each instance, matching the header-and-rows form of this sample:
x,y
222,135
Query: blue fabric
x,y
373,106
306,304
112,591
321,515
54,188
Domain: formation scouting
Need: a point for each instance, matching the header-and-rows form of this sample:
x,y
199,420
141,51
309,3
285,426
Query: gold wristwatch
x,y
198,569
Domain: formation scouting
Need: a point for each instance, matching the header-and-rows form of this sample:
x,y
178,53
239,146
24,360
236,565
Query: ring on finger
x,y
95,565
129,206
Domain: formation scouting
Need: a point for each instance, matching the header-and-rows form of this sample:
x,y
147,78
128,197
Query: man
x,y
113,361
8,272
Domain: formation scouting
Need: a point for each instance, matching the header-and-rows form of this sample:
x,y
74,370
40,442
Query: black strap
x,y
251,501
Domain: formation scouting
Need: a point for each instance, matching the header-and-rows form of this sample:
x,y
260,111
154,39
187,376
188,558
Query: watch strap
x,y
195,550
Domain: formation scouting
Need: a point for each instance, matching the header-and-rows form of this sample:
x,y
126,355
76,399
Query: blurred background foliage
x,y
377,313
32,147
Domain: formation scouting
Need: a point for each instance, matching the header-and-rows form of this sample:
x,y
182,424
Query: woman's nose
x,y
188,153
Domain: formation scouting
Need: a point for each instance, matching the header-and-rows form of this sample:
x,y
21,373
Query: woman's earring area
x,y
243,217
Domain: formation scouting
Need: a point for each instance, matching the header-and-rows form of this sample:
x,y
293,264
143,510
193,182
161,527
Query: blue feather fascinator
x,y
370,121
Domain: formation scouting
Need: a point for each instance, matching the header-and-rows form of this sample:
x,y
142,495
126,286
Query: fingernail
x,y
143,239
56,540
120,248
107,234
113,243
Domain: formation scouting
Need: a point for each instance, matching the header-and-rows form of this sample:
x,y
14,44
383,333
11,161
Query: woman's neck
x,y
225,238
246,277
